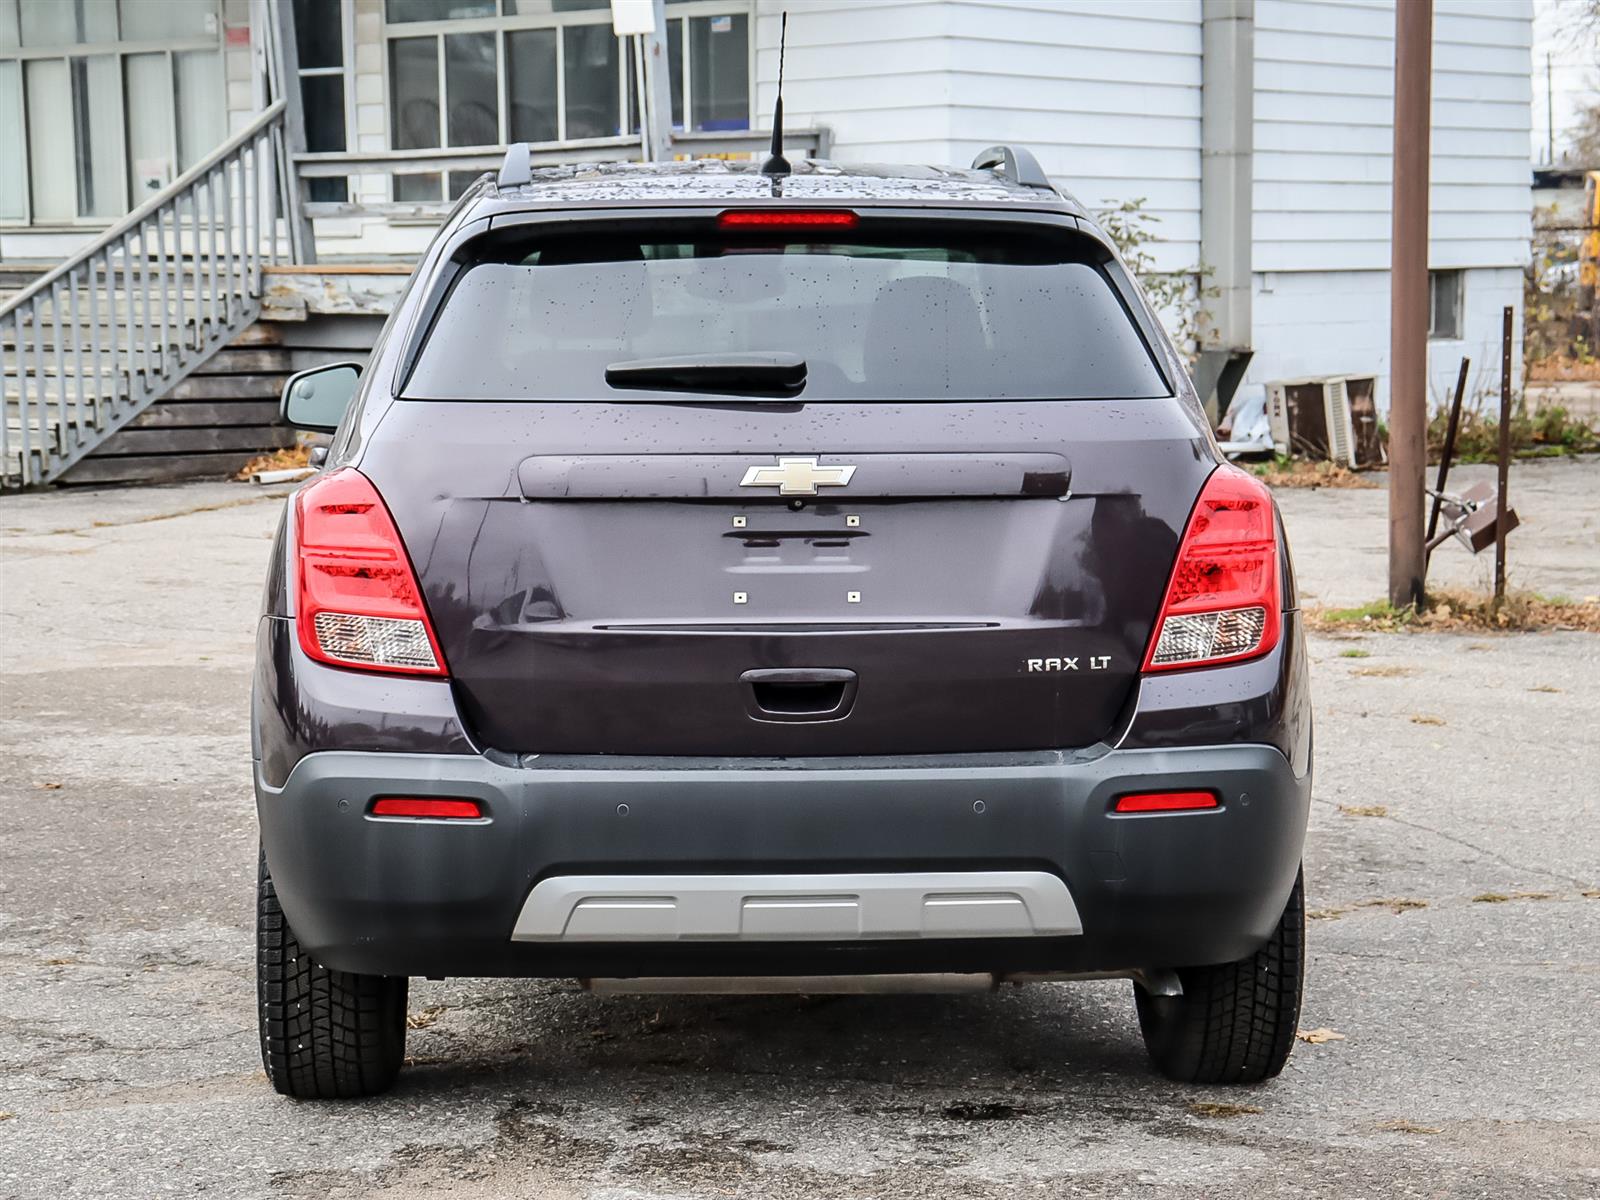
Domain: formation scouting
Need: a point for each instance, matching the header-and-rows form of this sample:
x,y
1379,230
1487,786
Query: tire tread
x,y
324,1034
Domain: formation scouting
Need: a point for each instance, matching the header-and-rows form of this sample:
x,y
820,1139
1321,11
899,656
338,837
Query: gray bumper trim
x,y
769,908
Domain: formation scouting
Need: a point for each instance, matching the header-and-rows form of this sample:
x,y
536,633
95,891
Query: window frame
x,y
503,23
118,49
1456,278
346,71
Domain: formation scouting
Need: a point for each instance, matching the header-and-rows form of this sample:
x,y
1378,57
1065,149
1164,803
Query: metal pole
x,y
1408,301
658,79
1549,112
1448,453
1505,460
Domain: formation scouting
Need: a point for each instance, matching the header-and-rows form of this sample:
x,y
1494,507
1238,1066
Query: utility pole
x,y
1408,300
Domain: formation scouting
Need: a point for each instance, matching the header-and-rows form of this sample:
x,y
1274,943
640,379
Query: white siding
x,y
874,71
1107,95
1336,323
1324,134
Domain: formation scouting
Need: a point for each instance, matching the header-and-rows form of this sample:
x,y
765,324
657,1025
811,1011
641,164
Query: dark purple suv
x,y
825,580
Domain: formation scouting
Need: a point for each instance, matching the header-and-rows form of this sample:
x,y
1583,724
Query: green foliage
x,y
1548,431
1179,296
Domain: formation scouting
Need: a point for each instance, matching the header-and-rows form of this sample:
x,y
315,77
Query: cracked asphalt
x,y
1453,870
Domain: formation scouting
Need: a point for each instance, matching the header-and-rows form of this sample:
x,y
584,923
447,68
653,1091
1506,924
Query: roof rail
x,y
517,168
1017,164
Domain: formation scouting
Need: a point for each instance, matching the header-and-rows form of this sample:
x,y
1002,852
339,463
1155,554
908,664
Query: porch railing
x,y
90,344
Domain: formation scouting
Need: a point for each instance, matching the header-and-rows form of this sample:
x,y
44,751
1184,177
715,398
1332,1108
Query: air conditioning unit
x,y
1329,417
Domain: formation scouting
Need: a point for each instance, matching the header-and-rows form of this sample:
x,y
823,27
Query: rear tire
x,y
325,1035
1234,1023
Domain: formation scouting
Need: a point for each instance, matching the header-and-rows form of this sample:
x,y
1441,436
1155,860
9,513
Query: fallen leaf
x,y
425,1017
1212,1108
1590,893
8,1116
1317,1037
48,787
1364,810
1403,1126
59,962
1426,719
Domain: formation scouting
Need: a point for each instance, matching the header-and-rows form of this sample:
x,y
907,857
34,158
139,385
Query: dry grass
x,y
1455,611
1213,1108
294,458
1562,367
1302,473
1404,1126
1503,897
1364,810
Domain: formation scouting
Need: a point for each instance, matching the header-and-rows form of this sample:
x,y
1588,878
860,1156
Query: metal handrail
x,y
271,115
93,342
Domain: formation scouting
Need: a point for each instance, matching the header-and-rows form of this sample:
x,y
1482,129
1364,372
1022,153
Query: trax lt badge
x,y
1097,662
797,476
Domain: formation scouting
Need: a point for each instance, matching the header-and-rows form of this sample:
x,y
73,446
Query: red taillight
x,y
1144,802
435,810
796,218
358,602
1222,604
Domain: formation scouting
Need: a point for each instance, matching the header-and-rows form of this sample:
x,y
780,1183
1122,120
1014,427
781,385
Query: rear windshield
x,y
874,318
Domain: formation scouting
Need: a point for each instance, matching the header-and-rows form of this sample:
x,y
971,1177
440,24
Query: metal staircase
x,y
94,342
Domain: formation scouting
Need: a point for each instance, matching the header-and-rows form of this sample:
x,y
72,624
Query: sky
x,y
1573,70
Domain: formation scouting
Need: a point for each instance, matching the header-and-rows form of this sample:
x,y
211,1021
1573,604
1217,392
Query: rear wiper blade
x,y
752,373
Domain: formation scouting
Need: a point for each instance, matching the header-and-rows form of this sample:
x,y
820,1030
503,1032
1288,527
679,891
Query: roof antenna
x,y
776,163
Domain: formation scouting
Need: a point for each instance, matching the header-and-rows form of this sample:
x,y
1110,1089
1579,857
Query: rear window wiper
x,y
752,373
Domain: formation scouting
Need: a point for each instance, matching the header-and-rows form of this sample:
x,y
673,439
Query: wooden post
x,y
302,241
1408,301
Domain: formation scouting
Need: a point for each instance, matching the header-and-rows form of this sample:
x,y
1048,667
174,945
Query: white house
x,y
1257,131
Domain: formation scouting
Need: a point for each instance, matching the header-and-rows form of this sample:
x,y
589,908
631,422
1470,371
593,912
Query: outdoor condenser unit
x,y
1331,417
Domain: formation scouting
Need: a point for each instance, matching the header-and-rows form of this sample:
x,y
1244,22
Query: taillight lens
x,y
1223,602
358,602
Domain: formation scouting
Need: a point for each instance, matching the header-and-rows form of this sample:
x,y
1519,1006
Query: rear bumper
x,y
445,898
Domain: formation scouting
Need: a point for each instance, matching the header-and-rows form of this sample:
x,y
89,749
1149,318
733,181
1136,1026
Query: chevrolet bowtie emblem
x,y
797,476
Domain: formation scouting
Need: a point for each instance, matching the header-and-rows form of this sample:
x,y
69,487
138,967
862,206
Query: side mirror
x,y
315,400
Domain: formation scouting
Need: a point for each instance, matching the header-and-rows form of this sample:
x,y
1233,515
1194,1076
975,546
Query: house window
x,y
1445,303
481,73
103,103
320,40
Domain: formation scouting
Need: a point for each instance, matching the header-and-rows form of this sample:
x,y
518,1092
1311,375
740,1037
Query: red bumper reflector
x,y
408,806
794,218
1143,802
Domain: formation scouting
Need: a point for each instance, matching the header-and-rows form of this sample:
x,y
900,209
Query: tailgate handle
x,y
799,693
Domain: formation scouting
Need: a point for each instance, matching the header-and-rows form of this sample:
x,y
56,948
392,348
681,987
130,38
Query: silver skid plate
x,y
768,908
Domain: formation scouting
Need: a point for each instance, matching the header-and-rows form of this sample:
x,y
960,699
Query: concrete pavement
x,y
1453,864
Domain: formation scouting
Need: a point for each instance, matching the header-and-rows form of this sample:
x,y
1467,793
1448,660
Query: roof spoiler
x,y
1016,164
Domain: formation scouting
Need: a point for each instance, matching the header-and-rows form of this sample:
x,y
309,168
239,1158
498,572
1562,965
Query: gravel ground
x,y
128,1063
